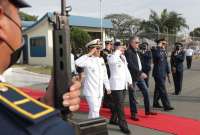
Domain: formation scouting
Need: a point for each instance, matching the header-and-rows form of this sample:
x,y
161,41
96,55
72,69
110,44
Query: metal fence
x,y
193,42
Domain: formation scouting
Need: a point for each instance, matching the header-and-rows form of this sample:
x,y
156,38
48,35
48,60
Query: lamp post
x,y
101,20
175,32
158,29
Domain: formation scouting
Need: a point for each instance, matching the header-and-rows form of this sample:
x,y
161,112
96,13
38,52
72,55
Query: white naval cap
x,y
94,43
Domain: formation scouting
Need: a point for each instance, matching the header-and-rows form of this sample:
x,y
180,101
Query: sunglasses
x,y
164,43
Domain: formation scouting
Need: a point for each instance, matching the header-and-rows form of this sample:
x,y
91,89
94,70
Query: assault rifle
x,y
61,56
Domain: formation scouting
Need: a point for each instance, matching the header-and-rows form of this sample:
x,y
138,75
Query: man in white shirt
x,y
138,76
120,78
95,77
189,53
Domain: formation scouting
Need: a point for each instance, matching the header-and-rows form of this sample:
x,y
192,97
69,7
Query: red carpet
x,y
162,122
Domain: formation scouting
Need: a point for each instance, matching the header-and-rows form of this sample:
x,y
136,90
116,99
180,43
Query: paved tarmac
x,y
187,104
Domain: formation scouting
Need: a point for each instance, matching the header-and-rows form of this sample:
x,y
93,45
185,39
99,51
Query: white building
x,y
38,37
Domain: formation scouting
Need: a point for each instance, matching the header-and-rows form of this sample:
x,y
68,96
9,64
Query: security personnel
x,y
19,113
119,81
107,99
177,59
95,77
160,72
105,53
146,58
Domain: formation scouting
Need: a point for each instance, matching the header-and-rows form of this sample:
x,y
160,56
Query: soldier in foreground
x,y
20,114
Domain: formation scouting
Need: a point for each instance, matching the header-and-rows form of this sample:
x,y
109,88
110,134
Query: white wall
x,y
45,29
37,31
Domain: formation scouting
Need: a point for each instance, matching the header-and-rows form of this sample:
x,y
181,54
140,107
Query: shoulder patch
x,y
22,105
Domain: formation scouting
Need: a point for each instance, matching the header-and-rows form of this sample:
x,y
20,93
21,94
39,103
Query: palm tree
x,y
171,22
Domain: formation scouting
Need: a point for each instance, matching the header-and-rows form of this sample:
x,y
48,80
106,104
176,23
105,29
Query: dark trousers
x,y
143,88
108,101
118,100
189,61
147,79
178,79
160,92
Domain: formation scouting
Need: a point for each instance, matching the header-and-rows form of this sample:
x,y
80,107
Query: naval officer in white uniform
x,y
95,77
119,80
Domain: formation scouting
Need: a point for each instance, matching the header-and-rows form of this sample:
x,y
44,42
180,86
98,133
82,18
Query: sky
x,y
136,8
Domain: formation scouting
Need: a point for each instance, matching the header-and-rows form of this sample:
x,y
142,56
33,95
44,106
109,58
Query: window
x,y
38,47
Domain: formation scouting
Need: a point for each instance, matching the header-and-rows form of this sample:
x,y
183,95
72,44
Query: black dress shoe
x,y
168,108
157,106
150,113
134,117
125,130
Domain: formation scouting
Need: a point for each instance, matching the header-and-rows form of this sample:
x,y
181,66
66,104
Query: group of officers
x,y
111,72
118,70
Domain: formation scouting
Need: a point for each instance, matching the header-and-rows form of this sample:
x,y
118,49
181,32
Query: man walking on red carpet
x,y
138,76
119,80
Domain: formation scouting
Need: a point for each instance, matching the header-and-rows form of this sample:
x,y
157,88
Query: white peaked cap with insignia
x,y
94,43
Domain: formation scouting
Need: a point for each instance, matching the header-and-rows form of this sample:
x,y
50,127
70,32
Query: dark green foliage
x,y
79,38
27,17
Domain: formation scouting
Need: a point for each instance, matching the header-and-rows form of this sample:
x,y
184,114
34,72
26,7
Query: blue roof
x,y
79,21
26,24
89,22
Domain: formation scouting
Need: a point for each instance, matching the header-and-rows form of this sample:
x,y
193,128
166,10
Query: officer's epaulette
x,y
22,106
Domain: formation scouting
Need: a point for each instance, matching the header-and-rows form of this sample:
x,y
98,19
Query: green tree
x,y
123,25
27,17
171,22
195,32
79,38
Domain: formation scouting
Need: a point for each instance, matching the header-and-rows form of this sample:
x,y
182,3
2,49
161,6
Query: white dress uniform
x,y
120,75
95,76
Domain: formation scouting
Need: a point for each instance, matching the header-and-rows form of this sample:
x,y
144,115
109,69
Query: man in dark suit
x,y
107,98
160,72
177,59
138,76
146,58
